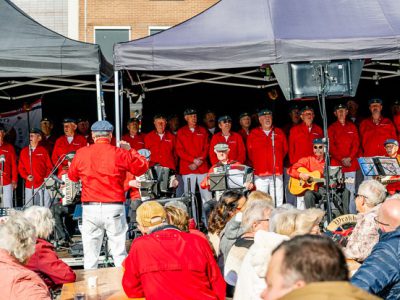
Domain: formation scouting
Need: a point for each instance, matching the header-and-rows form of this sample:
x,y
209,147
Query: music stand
x,y
231,177
379,166
367,166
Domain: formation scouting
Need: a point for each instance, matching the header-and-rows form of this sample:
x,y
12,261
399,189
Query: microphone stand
x,y
1,182
31,171
273,164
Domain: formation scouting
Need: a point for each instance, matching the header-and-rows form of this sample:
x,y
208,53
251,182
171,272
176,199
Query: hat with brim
x,y
318,141
375,101
190,111
340,106
391,141
69,120
305,108
150,214
224,118
35,130
102,126
244,114
264,112
221,147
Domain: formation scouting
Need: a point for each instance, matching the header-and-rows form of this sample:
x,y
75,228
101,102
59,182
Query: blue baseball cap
x,y
391,141
318,141
264,112
102,126
224,118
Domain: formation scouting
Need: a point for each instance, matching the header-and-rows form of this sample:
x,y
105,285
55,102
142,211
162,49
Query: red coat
x,y
235,141
392,188
10,171
102,168
180,266
344,142
48,266
41,166
244,134
162,150
259,148
191,145
374,135
62,147
301,141
48,143
136,142
308,162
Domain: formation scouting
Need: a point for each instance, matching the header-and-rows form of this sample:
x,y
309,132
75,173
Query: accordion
x,y
70,191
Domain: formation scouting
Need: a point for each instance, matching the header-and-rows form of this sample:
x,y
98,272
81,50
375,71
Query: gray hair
x,y
280,209
177,204
374,192
18,237
284,222
254,212
42,219
307,219
99,134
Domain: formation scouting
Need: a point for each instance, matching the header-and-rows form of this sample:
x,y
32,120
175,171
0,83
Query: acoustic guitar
x,y
298,186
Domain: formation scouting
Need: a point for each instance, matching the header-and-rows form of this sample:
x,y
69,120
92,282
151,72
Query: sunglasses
x,y
379,222
318,147
227,121
359,195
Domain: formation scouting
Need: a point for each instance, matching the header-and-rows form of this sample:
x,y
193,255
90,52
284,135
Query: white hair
x,y
374,192
254,212
177,204
18,237
274,215
42,219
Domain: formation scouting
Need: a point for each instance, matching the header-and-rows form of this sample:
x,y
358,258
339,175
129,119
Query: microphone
x,y
2,158
56,179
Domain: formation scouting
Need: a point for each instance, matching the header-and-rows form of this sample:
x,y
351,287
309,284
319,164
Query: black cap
x,y
340,106
131,120
35,130
46,119
293,107
224,118
375,100
244,114
159,116
305,108
189,111
264,112
69,120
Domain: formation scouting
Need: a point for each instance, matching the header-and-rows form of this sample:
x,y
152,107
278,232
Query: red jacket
x,y
162,150
259,148
236,146
10,171
19,283
191,145
374,135
41,166
48,143
310,163
136,142
48,266
102,168
301,141
180,266
344,142
62,147
244,134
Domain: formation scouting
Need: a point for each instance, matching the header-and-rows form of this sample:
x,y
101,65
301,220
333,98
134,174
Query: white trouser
x,y
97,218
41,197
204,193
352,188
7,196
266,184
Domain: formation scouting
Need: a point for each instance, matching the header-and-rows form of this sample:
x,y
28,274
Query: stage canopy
x,y
236,34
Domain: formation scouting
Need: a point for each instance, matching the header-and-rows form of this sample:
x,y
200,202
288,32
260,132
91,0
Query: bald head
x,y
389,214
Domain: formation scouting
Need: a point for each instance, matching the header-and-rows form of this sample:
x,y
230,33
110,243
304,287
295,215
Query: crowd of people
x,y
255,246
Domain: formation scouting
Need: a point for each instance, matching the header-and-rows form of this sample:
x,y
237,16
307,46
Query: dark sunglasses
x,y
318,147
227,121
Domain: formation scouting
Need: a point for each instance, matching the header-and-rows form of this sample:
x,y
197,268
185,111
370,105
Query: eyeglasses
x,y
267,220
227,121
359,195
379,222
318,147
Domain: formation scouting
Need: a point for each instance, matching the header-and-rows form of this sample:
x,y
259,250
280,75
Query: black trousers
x,y
339,197
63,220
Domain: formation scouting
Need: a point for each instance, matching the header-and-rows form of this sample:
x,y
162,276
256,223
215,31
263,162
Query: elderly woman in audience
x,y
308,222
259,195
255,217
45,261
371,194
227,210
17,244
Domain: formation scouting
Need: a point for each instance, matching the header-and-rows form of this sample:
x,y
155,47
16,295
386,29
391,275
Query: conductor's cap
x,y
102,126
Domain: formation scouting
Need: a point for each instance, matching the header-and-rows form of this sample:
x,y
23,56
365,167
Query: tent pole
x,y
98,96
116,103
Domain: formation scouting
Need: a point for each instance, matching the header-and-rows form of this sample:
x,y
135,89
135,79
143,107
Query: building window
x,y
107,36
157,29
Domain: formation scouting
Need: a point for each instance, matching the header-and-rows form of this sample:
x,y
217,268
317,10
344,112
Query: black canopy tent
x,y
209,47
35,56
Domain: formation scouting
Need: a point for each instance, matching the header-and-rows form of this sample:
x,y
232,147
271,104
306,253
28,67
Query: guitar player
x,y
392,149
316,162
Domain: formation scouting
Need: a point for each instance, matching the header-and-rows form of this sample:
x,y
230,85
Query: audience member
x,y
309,267
259,195
17,244
365,234
380,272
180,265
45,261
308,221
